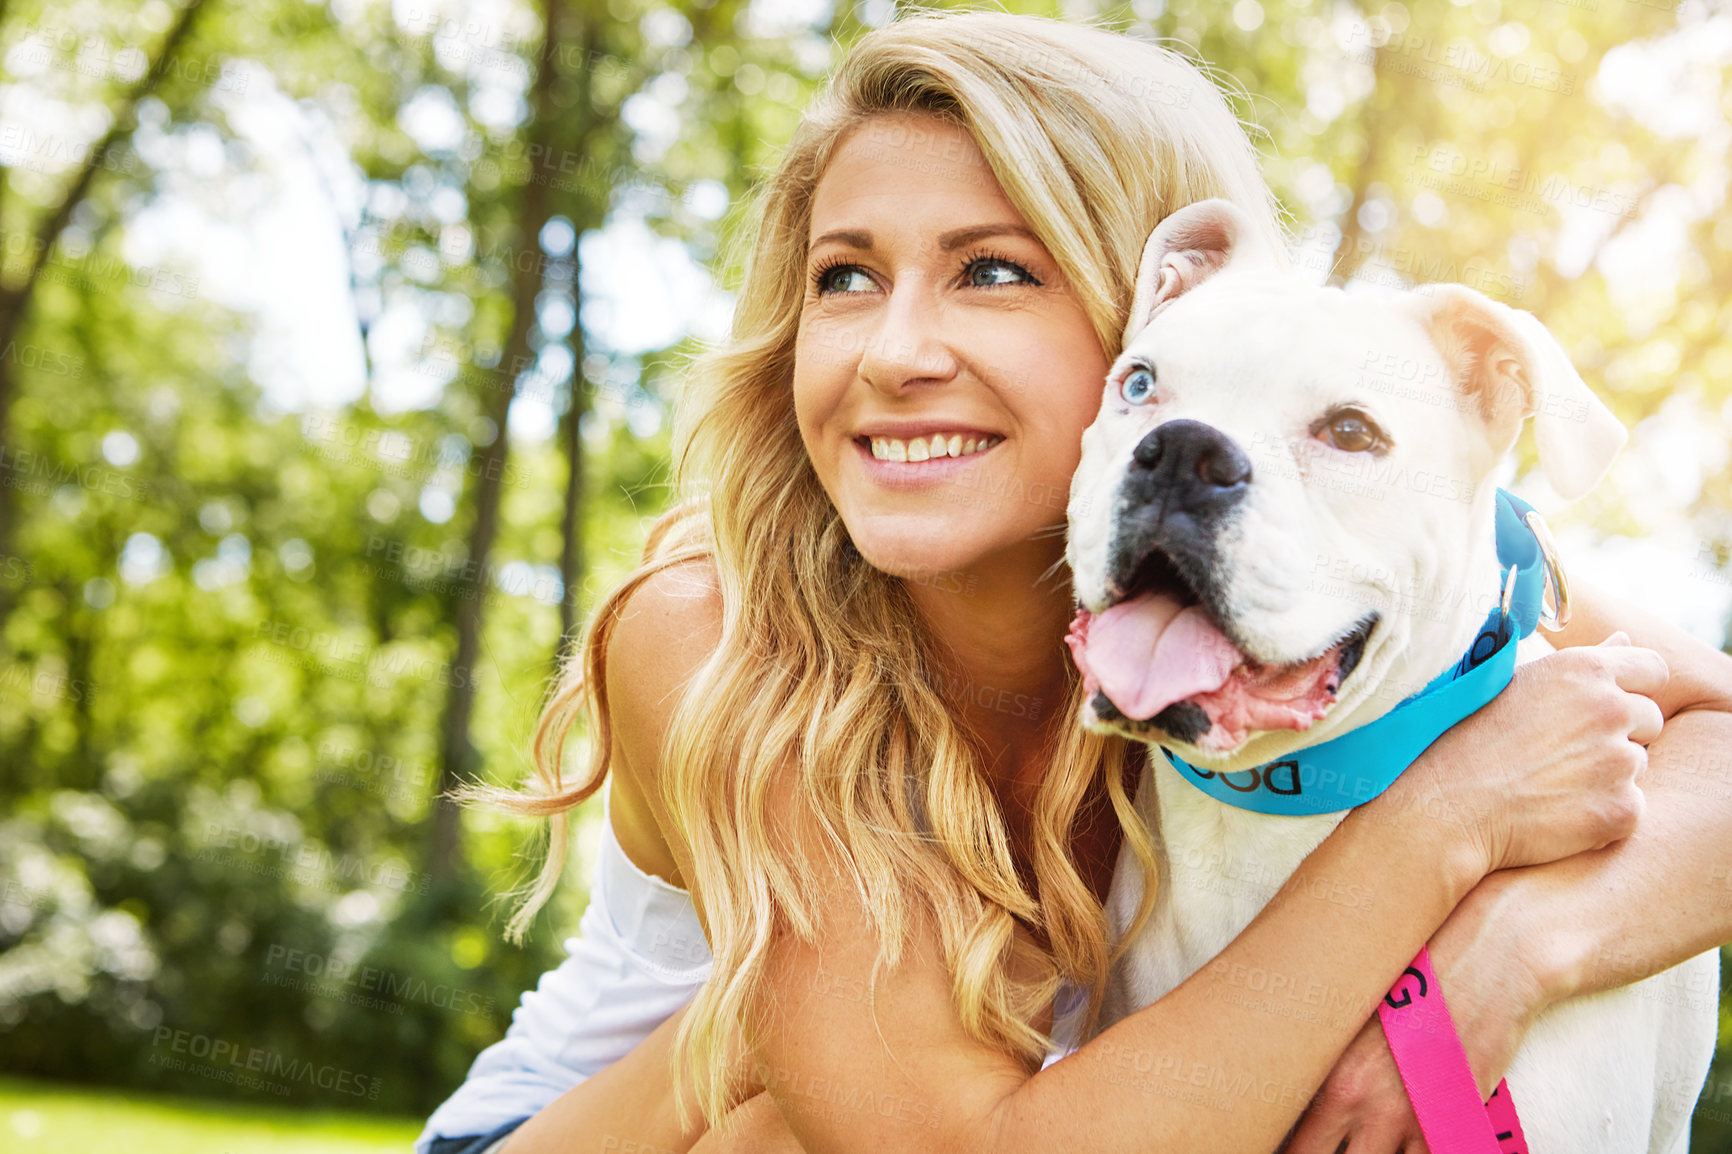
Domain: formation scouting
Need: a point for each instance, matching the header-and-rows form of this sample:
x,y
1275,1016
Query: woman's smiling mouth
x,y
935,447
919,459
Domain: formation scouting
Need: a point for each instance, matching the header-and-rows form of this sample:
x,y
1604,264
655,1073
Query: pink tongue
x,y
1150,651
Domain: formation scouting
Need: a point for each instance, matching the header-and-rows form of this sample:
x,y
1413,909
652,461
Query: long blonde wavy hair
x,y
1094,136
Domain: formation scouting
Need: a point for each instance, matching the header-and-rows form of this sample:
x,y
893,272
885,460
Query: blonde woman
x,y
841,721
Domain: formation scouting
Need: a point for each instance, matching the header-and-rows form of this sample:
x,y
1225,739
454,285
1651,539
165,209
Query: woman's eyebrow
x,y
954,239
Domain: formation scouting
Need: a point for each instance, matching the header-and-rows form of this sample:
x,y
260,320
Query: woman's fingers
x,y
1383,1140
1635,668
1318,1135
1576,732
1649,720
1360,1136
1641,674
1361,1107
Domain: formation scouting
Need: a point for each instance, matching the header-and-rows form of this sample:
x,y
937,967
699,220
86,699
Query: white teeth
x,y
932,448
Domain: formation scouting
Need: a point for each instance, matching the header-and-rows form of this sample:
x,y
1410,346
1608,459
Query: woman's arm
x,y
626,1106
1664,894
1203,1069
636,958
1525,939
665,630
1206,1070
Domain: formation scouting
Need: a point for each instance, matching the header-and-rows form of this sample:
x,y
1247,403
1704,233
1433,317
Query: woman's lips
x,y
933,446
893,474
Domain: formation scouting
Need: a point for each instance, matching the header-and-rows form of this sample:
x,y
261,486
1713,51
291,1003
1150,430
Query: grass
x,y
64,1119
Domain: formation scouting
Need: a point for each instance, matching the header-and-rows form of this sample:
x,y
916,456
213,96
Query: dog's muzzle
x,y
1185,482
1160,654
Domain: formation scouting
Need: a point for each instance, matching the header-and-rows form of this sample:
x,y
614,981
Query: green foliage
x,y
227,632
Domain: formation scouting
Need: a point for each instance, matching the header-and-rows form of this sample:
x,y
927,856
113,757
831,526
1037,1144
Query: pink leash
x,y
1434,1068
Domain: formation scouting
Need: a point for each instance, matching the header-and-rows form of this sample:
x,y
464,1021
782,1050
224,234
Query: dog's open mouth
x,y
1158,648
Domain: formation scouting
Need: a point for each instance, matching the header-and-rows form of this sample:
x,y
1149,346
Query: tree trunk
x,y
571,560
458,760
1349,255
571,556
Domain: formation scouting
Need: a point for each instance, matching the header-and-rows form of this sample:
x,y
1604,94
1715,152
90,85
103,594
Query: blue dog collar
x,y
1355,767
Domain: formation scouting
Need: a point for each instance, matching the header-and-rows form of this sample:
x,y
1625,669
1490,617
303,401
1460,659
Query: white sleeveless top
x,y
639,956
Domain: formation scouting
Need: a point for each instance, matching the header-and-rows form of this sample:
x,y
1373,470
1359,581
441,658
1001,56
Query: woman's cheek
x,y
812,402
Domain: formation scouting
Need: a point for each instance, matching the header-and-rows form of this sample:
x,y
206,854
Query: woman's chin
x,y
939,552
916,558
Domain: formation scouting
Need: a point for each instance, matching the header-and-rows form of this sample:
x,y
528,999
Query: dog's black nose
x,y
1192,467
1185,482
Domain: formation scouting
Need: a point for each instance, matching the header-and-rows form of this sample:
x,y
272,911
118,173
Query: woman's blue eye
x,y
827,278
834,276
989,262
1138,387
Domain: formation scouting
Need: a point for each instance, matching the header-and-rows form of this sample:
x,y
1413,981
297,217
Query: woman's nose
x,y
907,347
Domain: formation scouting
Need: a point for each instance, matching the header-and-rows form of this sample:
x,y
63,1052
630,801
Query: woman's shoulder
x,y
665,628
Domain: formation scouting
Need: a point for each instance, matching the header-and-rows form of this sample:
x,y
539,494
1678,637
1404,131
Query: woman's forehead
x,y
903,169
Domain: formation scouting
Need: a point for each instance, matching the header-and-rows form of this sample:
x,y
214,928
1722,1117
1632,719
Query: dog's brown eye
x,y
1352,432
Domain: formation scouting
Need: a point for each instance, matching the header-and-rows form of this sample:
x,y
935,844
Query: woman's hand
x,y
1493,997
1548,768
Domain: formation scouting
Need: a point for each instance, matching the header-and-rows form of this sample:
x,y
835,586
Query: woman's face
x,y
943,371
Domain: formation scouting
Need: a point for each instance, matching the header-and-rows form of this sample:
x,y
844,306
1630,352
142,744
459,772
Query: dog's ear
x,y
1512,368
1187,248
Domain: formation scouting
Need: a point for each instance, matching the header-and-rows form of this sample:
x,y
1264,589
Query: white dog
x,y
1282,526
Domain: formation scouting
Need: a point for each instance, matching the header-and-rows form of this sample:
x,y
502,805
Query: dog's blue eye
x,y
1138,387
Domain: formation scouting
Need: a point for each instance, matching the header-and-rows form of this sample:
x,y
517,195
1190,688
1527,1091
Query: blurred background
x,y
337,345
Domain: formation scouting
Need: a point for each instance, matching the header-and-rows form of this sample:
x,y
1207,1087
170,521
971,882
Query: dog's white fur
x,y
1325,536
